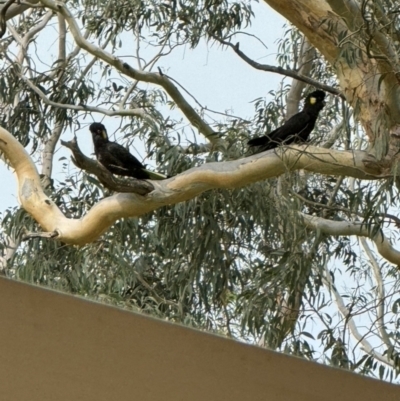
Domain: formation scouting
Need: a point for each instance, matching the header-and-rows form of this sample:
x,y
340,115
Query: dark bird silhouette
x,y
295,130
116,159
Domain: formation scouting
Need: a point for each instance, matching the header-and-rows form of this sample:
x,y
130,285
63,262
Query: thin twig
x,y
200,105
280,70
125,112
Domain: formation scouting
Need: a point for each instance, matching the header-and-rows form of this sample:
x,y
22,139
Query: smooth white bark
x,y
185,186
348,228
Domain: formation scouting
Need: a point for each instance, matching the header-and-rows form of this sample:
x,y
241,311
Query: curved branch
x,y
280,70
110,113
126,69
204,107
380,288
3,19
185,186
345,312
25,40
338,208
384,247
18,8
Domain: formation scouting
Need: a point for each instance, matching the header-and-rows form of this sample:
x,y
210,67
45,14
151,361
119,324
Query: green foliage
x,y
178,22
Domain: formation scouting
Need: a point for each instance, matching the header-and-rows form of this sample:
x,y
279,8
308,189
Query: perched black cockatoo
x,y
295,130
117,159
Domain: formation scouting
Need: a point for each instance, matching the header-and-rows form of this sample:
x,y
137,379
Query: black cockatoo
x,y
295,130
116,158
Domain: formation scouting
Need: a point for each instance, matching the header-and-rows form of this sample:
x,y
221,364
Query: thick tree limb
x,y
384,247
13,9
131,185
185,186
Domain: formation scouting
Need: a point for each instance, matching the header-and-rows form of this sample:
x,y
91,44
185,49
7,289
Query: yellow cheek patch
x,y
313,100
104,134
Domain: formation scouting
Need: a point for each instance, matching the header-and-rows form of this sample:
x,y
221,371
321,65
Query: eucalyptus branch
x,y
137,34
338,228
389,53
135,74
77,49
332,136
91,63
154,292
195,149
15,34
48,235
71,56
247,34
180,188
335,190
201,106
37,28
296,88
380,12
24,41
50,145
380,307
150,64
127,94
11,247
130,185
3,19
125,112
62,37
17,7
280,70
343,209
350,321
48,152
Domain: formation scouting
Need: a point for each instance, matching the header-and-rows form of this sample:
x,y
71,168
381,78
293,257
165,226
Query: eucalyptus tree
x,y
292,249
